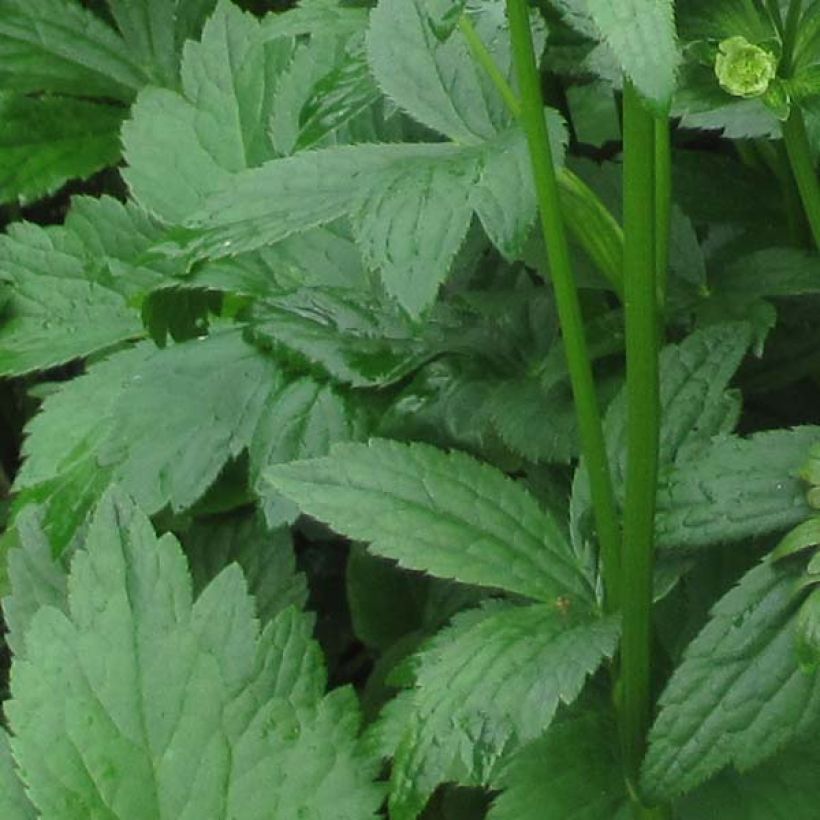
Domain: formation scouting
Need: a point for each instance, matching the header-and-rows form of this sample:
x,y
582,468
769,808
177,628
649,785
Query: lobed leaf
x,y
171,707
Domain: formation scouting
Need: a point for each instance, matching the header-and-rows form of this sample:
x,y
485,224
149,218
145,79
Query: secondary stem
x,y
590,221
566,297
643,405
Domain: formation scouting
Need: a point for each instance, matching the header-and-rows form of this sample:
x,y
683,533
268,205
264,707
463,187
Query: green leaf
x,y
64,304
14,805
783,788
161,423
315,17
181,147
739,695
320,258
344,334
37,579
155,30
266,557
442,513
486,685
384,188
46,141
641,33
734,488
175,708
573,772
695,405
58,46
179,312
695,402
302,420
437,81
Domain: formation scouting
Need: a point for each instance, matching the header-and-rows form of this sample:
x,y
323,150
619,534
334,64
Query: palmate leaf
x,y
45,141
739,695
574,772
442,513
171,707
641,33
735,488
485,686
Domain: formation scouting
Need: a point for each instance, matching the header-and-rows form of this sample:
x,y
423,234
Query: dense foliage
x,y
350,488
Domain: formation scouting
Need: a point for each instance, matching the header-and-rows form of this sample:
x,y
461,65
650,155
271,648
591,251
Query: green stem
x,y
566,297
643,424
663,203
774,11
790,32
801,159
482,56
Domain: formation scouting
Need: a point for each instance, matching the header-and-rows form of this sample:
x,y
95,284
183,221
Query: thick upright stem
x,y
643,406
663,203
566,296
802,162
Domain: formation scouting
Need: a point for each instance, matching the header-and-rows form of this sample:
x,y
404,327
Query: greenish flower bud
x,y
744,69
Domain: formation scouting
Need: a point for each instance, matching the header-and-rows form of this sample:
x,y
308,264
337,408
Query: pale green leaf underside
x,y
46,141
170,708
739,694
573,772
442,513
641,33
61,47
484,687
735,488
